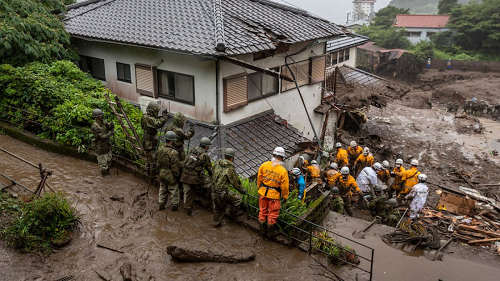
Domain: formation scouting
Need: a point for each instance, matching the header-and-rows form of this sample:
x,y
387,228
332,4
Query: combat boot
x,y
189,212
272,231
263,228
104,172
174,208
161,206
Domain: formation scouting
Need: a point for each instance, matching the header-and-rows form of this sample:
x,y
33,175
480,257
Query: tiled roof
x,y
345,42
371,47
427,21
188,25
358,76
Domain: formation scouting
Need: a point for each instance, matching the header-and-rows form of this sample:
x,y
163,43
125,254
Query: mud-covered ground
x,y
116,213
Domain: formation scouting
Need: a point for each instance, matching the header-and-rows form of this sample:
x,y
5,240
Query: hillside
x,y
420,6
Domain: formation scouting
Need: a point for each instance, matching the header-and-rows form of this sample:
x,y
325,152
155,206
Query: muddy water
x,y
134,227
393,264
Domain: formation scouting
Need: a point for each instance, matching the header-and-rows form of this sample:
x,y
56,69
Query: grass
x,y
334,250
37,225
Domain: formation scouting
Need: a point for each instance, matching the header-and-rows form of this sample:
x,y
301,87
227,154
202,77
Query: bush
x,y
56,100
37,225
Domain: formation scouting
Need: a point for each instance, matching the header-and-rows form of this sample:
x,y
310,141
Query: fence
x,y
467,65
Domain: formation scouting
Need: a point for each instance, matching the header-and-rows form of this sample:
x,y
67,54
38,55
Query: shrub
x,y
39,224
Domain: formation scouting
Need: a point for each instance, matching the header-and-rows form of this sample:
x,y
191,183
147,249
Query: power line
x,y
261,93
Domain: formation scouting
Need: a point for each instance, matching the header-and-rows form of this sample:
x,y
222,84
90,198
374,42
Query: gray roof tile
x,y
345,42
187,25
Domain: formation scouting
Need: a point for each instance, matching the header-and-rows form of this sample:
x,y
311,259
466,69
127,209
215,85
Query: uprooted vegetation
x,y
37,225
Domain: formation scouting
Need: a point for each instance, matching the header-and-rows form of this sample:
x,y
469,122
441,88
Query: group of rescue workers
x,y
372,187
177,171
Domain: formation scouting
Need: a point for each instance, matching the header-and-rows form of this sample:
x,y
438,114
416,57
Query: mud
x,y
187,253
117,213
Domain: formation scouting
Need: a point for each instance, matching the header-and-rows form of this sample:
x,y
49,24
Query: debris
x,y
102,273
109,248
484,240
117,198
197,254
126,271
456,204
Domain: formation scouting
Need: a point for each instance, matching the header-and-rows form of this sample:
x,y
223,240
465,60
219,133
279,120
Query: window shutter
x,y
303,73
318,69
235,93
145,80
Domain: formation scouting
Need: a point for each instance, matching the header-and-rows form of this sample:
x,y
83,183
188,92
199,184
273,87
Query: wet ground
x,y
131,224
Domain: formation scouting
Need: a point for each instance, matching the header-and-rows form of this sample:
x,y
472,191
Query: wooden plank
x,y
473,234
483,240
471,228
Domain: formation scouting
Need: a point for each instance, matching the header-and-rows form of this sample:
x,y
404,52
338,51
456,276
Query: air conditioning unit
x,y
144,101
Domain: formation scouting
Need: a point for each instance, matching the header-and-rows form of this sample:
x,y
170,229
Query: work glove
x,y
244,191
164,113
191,125
393,175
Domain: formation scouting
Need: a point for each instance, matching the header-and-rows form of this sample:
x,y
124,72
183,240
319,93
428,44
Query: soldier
x,y
397,173
330,176
225,176
377,205
338,203
392,216
150,123
193,172
383,174
364,160
177,126
354,151
345,184
102,131
314,172
170,169
341,157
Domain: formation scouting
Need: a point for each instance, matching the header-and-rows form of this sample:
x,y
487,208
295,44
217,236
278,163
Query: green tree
x,y
387,37
29,32
387,16
446,6
477,26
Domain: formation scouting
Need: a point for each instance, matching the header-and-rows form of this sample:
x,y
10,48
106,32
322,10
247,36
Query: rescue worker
x,y
314,172
418,195
102,131
330,175
392,216
177,126
150,123
300,181
364,160
193,172
377,205
272,180
410,178
341,156
354,151
224,176
170,170
383,174
346,184
398,183
367,179
338,203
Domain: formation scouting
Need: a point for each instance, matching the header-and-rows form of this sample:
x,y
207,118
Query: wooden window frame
x,y
239,105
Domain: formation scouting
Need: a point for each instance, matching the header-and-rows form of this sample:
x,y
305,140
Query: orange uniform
x,y
330,176
398,182
354,152
345,187
363,161
341,158
272,180
314,171
410,179
384,175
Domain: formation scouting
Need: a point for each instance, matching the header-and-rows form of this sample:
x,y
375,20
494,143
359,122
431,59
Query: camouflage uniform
x,y
150,123
377,206
177,126
225,176
338,205
193,174
170,168
102,131
392,217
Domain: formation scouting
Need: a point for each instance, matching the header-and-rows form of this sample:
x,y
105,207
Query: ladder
x,y
126,125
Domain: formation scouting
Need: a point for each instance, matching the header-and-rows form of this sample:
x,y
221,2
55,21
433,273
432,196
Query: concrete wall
x,y
353,57
467,65
423,35
203,72
286,104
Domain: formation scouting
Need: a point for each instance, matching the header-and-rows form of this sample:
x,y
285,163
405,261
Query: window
x,y
429,34
176,86
334,58
145,80
258,82
346,54
235,92
94,66
317,69
413,34
123,72
301,72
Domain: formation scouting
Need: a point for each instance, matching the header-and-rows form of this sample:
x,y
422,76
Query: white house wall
x,y
353,56
203,72
286,104
423,35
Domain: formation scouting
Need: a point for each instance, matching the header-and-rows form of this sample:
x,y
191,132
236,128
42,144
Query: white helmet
x,y
338,144
353,144
344,171
422,177
334,166
279,151
414,162
366,150
399,161
314,162
377,166
296,171
385,163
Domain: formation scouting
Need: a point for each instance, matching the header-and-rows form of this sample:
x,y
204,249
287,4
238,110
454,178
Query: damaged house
x,y
228,65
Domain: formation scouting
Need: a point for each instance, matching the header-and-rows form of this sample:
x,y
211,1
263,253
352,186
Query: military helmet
x,y
205,142
179,120
392,202
229,152
335,190
171,136
153,108
344,171
97,112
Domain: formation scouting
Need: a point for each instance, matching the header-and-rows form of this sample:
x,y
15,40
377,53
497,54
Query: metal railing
x,y
305,236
